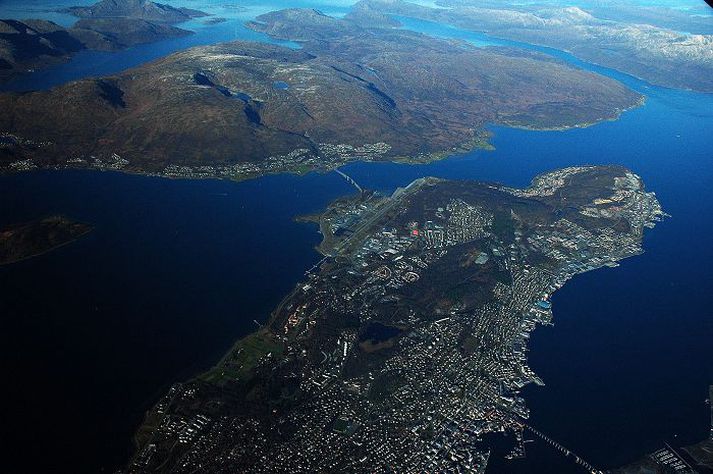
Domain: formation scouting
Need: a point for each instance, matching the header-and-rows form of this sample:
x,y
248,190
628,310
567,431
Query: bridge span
x,y
349,179
566,452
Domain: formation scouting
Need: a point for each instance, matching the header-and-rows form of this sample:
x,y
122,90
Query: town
x,y
407,347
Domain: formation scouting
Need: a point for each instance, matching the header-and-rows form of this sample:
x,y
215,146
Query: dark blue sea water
x,y
174,271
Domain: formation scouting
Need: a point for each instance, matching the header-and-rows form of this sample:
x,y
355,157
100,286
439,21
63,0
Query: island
x,y
405,348
22,241
644,46
351,92
138,9
107,26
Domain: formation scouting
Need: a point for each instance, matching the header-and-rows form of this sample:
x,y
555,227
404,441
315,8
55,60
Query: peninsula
x,y
407,345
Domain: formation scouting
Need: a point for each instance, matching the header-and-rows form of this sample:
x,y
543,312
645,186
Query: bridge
x,y
566,452
494,396
349,179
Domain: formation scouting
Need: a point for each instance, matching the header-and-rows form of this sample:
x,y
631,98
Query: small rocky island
x,y
22,241
407,345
